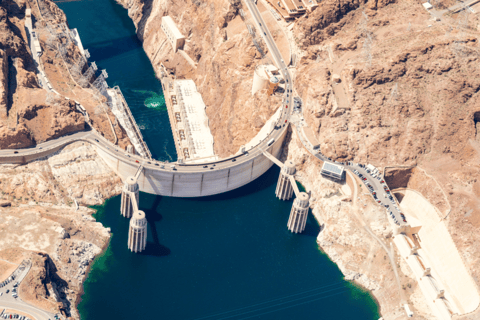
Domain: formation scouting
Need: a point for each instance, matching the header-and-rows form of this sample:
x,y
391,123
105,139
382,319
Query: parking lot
x,y
379,190
374,185
9,299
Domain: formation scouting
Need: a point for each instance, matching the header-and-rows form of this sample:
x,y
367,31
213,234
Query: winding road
x,y
42,150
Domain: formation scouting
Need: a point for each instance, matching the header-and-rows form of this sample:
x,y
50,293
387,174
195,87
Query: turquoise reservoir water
x,y
222,257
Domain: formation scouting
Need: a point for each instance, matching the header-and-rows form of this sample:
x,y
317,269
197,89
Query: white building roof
x,y
173,27
332,168
197,119
427,6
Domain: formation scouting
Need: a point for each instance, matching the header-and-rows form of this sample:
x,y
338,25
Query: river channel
x,y
228,256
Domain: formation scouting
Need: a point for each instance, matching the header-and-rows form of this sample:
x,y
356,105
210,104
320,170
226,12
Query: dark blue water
x,y
222,257
109,35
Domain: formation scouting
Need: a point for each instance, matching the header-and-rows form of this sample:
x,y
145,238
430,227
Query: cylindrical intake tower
x,y
130,188
284,189
137,234
299,213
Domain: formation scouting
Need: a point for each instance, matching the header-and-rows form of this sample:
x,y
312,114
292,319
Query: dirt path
x,y
339,88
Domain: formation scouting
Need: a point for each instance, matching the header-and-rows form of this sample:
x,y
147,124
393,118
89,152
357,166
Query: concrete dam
x,y
140,172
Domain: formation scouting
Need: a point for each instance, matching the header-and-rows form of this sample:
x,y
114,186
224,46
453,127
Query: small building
x,y
311,4
427,6
332,170
266,77
290,9
173,34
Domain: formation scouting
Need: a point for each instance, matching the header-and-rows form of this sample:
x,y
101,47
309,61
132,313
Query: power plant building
x,y
333,171
173,34
192,122
290,9
266,77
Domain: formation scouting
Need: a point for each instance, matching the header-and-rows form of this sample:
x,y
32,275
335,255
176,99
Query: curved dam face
x,y
206,182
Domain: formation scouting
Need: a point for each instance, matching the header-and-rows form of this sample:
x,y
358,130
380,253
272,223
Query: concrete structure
x,y
137,235
78,42
266,77
332,170
290,9
173,34
130,194
197,141
299,213
311,4
431,254
284,189
122,112
188,120
427,6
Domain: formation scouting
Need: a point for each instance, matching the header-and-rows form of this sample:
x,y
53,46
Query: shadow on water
x,y
105,50
267,179
312,229
154,248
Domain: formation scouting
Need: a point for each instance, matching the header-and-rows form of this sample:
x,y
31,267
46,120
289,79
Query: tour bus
x,y
270,142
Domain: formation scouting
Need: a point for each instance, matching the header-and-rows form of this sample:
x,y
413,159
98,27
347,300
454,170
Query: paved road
x,y
23,307
383,197
381,189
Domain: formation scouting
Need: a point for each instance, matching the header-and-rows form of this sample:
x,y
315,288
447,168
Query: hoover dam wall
x,y
178,183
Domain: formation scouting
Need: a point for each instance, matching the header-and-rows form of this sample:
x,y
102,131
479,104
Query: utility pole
x,y
367,37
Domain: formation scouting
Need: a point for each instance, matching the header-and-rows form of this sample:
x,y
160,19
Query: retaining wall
x,y
195,184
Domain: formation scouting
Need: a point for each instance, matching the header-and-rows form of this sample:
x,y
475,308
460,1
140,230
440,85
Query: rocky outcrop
x,y
34,117
19,137
3,84
51,119
39,205
398,110
75,173
79,254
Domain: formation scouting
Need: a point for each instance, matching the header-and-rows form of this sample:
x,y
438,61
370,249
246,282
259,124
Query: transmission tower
x,y
90,71
458,45
367,37
98,109
100,84
394,94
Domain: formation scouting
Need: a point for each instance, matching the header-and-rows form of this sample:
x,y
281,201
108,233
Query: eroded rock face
x,y
3,84
51,119
28,114
342,235
76,172
399,109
